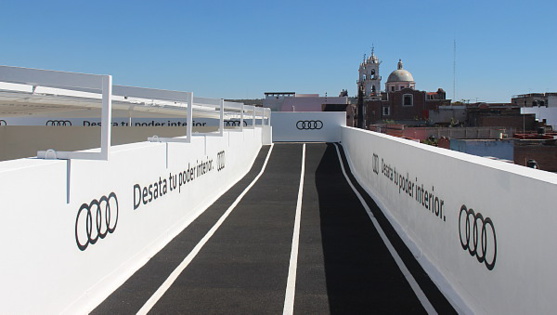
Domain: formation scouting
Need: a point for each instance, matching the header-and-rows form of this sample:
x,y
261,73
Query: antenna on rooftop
x,y
454,70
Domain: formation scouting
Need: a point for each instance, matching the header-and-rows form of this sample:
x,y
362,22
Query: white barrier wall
x,y
120,121
307,126
485,230
73,231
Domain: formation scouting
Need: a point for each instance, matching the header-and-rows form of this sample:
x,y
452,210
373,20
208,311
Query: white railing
x,y
102,83
86,90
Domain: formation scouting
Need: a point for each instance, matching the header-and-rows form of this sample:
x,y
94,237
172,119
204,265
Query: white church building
x,y
369,78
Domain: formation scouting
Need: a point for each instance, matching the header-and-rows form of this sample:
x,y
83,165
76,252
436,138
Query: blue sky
x,y
241,49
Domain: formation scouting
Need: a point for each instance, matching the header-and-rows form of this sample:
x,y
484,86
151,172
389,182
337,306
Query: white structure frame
x,y
85,90
77,81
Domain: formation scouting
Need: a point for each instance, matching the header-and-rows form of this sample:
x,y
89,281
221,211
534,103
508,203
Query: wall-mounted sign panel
x,y
307,126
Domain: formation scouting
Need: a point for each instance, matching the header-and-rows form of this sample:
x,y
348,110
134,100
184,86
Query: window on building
x,y
392,88
408,100
386,111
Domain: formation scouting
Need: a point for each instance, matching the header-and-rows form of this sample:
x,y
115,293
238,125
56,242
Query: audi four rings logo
x,y
477,235
95,220
3,122
309,124
58,123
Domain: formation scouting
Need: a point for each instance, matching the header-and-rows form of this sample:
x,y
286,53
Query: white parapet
x,y
64,258
483,229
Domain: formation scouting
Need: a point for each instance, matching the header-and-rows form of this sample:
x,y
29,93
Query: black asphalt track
x,y
343,265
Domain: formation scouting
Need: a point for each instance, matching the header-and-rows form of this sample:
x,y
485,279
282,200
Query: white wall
x,y
119,121
547,113
43,268
519,201
24,141
307,126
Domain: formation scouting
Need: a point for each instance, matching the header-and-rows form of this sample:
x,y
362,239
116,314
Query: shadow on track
x,y
361,275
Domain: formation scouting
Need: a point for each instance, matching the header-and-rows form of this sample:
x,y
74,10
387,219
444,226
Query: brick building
x,y
400,102
499,115
406,106
542,151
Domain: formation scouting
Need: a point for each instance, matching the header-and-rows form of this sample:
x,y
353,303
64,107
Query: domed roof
x,y
400,75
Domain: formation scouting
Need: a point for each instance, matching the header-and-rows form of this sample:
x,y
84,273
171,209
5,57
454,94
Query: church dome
x,y
400,75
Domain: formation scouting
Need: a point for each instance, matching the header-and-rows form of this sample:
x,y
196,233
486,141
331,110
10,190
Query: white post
x,y
254,113
221,121
242,118
106,119
189,127
130,110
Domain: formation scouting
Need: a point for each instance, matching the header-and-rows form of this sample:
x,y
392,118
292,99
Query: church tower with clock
x,y
369,77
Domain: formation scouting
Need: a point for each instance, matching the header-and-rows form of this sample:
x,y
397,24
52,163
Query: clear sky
x,y
241,49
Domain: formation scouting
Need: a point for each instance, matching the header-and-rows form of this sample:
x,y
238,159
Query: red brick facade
x,y
499,115
406,105
545,155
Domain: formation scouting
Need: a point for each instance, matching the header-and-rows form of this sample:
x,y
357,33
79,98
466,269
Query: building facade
x,y
402,103
543,105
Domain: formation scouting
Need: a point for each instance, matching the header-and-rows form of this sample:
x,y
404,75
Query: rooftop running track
x,y
296,235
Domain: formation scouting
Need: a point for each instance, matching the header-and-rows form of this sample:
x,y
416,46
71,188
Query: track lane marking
x,y
292,270
184,264
413,284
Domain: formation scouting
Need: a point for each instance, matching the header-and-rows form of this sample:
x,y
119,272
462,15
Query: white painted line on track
x,y
176,273
413,284
291,283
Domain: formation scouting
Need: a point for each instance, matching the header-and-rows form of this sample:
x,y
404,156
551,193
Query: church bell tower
x,y
369,77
